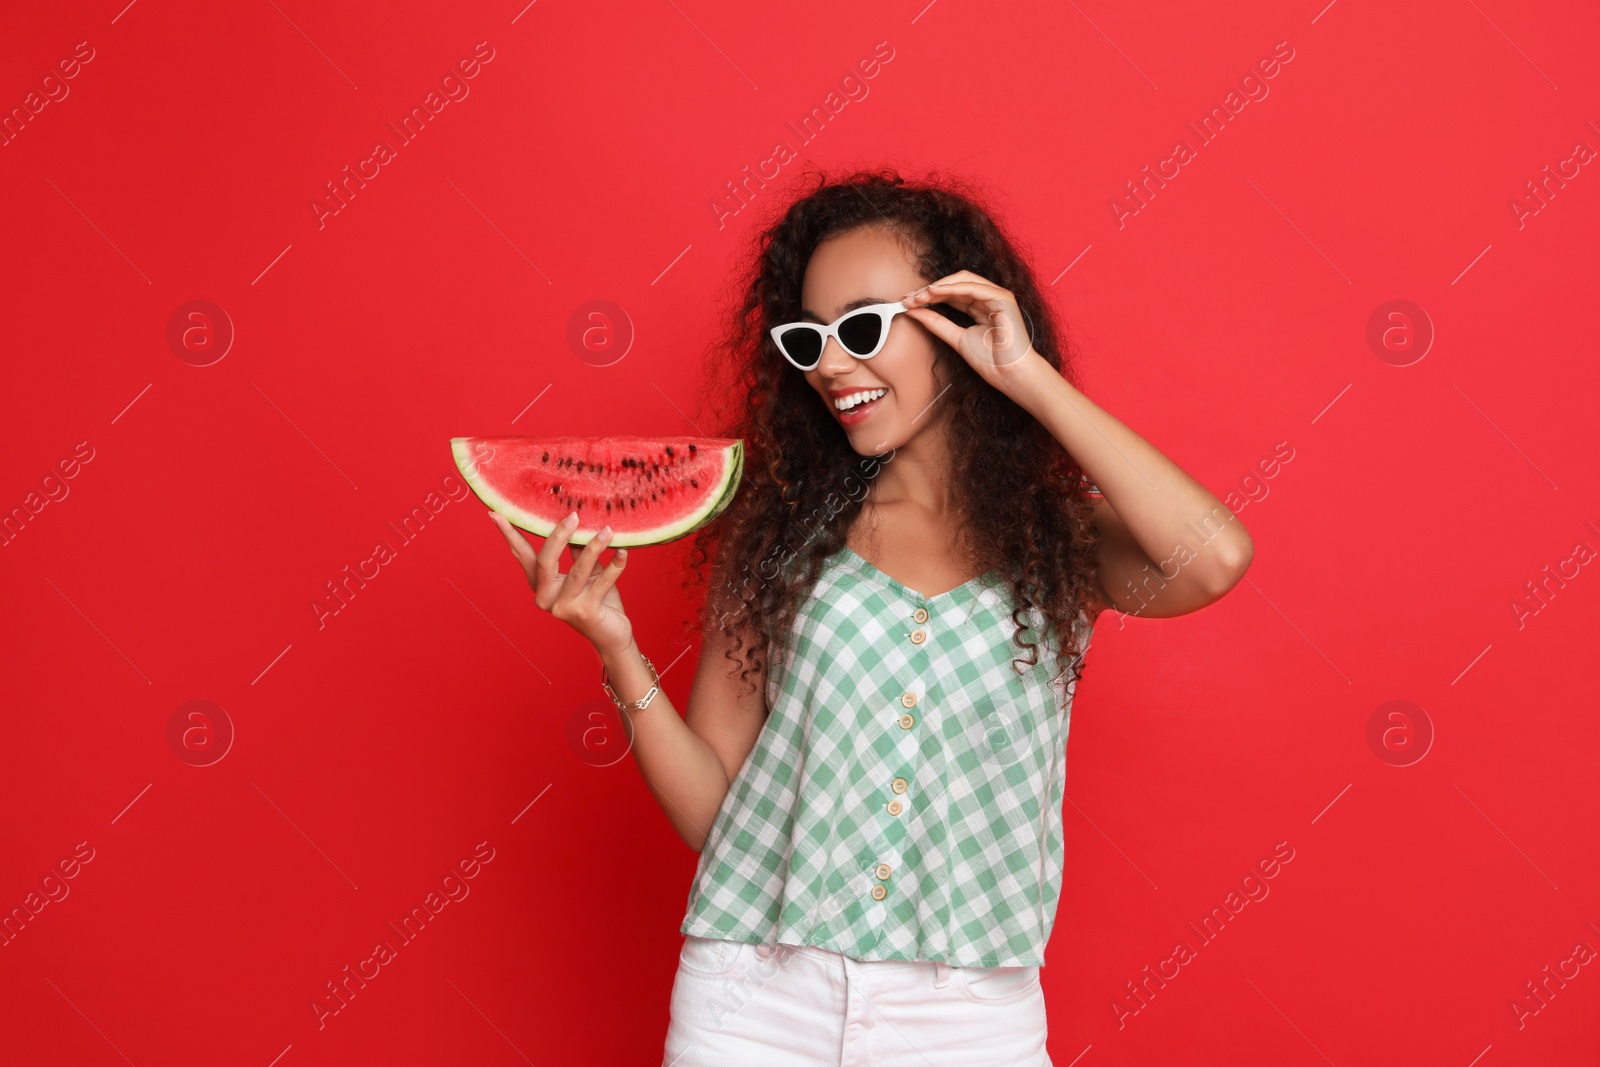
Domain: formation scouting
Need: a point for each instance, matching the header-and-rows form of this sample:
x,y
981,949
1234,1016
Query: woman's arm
x,y
1167,545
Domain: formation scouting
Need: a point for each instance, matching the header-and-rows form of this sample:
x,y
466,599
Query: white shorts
x,y
737,1003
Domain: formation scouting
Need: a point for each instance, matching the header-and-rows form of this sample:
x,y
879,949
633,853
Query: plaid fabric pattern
x,y
927,766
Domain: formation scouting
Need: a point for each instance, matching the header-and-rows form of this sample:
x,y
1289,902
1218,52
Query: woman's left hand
x,y
997,344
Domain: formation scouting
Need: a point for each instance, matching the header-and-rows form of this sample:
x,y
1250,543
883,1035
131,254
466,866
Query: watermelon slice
x,y
649,490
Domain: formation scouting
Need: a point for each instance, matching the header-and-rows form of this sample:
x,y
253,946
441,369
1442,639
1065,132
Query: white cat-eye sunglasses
x,y
861,333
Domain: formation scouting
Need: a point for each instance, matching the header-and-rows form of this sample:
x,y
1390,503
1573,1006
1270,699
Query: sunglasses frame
x,y
885,311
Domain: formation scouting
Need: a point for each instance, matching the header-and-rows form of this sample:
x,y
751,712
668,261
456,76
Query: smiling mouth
x,y
860,412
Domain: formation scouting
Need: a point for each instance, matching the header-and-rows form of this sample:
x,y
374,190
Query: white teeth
x,y
845,403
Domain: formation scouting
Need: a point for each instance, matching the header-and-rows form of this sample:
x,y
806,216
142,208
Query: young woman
x,y
927,492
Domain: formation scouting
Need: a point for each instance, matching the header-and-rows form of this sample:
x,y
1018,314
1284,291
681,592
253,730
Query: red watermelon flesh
x,y
649,490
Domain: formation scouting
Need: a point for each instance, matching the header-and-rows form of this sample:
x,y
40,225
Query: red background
x,y
435,710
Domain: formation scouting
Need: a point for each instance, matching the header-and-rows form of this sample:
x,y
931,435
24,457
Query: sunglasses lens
x,y
803,346
861,332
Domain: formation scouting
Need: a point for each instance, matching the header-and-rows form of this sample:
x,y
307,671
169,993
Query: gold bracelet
x,y
633,705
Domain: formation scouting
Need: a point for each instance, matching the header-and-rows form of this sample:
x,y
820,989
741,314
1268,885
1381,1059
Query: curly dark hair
x,y
799,462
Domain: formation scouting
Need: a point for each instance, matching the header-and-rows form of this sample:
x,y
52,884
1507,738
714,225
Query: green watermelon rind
x,y
719,497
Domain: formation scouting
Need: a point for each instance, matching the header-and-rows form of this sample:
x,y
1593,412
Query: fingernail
x,y
570,520
605,534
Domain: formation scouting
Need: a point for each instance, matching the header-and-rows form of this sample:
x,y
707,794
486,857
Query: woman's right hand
x,y
588,603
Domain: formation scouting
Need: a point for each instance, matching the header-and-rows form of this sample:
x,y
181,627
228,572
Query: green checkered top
x,y
903,799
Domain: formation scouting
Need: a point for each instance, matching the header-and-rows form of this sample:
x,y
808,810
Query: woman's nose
x,y
835,355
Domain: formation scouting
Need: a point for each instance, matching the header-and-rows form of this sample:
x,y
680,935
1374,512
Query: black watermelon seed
x,y
669,450
693,449
546,458
694,483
